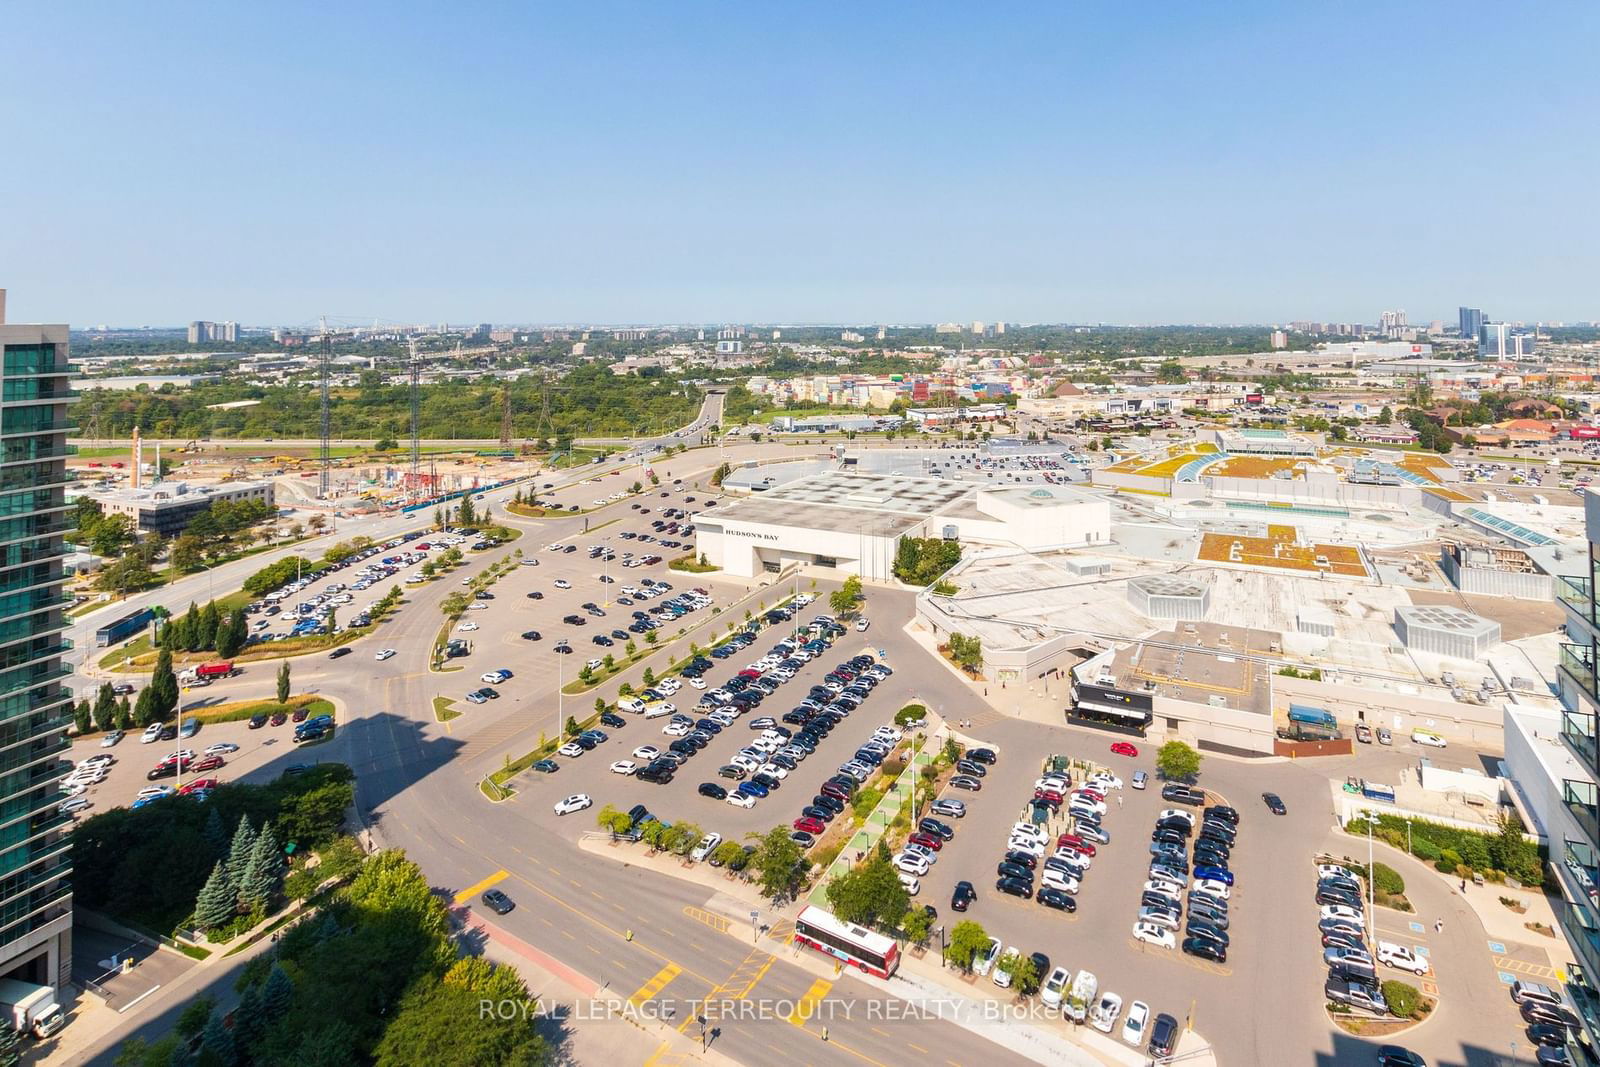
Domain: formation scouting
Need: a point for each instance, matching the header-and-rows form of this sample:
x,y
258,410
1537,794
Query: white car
x,y
467,627
646,752
1177,813
985,959
1133,1027
669,685
1084,802
1164,887
1057,879
741,800
1101,782
492,677
154,791
910,864
861,625
1054,987
1212,888
780,773
1029,831
1340,911
1002,977
384,653
697,683
1026,844
1400,956
624,766
675,729
152,733
1159,936
595,664
571,748
1105,1013
1333,870
576,802
562,583
221,748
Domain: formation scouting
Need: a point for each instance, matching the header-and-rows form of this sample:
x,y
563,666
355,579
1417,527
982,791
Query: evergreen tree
x,y
244,840
264,873
215,836
209,621
191,628
164,688
10,1054
215,905
231,635
124,714
81,717
249,1020
105,708
217,1039
276,993
283,682
144,711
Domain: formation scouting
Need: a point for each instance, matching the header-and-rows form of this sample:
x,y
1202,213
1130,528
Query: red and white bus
x,y
873,953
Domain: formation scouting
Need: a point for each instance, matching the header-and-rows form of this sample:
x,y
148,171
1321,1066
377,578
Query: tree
x,y
650,637
1386,416
721,473
276,993
144,710
870,894
209,621
386,444
571,728
465,516
1023,971
231,634
318,523
82,719
967,651
105,708
917,925
844,599
249,1019
195,1015
649,677
967,939
216,838
217,1041
283,682
1177,761
185,553
263,875
426,1027
776,861
727,854
613,820
124,714
163,688
239,852
1402,998
218,899
111,535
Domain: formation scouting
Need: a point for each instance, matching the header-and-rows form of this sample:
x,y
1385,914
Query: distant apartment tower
x,y
999,329
202,332
730,348
35,708
1392,323
1502,340
730,333
947,327
1471,322
1280,339
977,328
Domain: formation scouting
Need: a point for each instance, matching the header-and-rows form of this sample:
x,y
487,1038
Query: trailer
x,y
29,1008
113,633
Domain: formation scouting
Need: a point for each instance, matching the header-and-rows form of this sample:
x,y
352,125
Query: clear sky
x,y
699,162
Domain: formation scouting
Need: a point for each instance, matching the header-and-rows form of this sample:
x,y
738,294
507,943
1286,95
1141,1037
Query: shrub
x,y
1388,879
1449,860
1404,1000
1425,850
909,714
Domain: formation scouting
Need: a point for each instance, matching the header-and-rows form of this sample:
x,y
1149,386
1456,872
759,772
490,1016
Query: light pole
x,y
755,917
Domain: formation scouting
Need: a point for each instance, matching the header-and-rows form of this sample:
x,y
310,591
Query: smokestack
x,y
138,459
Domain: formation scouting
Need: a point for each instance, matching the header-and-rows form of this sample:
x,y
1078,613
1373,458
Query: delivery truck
x,y
29,1008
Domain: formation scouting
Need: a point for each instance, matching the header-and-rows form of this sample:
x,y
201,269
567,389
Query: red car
x,y
279,718
810,826
1050,795
211,763
197,784
1073,841
749,672
1122,748
1091,794
927,840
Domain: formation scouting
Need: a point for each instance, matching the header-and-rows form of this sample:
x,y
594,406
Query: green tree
x,y
727,854
277,992
776,862
144,710
124,714
650,637
195,1015
386,444
1023,971
105,707
572,727
843,600
967,939
1386,416
209,621
82,718
1177,761
240,851
427,1028
263,875
465,515
163,688
185,554
869,894
1403,999
649,677
217,1041
216,838
111,536
283,682
612,820
231,634
249,1019
917,925
217,902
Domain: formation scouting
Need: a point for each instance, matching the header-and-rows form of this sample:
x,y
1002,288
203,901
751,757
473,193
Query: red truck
x,y
215,670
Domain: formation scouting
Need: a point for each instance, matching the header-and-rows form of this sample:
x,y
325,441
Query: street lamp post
x,y
755,917
941,948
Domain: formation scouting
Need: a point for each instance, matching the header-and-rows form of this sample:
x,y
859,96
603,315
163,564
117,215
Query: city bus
x,y
873,953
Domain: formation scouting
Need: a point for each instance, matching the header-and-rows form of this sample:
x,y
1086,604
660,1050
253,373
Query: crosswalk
x,y
806,1006
655,985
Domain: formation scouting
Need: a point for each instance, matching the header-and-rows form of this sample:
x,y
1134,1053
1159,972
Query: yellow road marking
x,y
806,1006
716,922
655,985
1504,963
657,1054
466,895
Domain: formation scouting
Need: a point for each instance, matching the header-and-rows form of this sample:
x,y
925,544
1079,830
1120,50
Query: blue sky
x,y
699,162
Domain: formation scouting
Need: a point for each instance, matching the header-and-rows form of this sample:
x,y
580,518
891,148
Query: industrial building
x,y
36,893
854,521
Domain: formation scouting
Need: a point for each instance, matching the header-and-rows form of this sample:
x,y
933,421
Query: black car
x,y
1182,794
257,721
965,766
1550,1035
1014,870
1274,803
1021,859
613,720
1015,887
1198,927
536,595
531,635
497,901
813,811
1334,896
827,803
1205,949
1163,1035
548,766
1060,899
1395,1056
1220,811
962,896
340,653
713,790
1168,837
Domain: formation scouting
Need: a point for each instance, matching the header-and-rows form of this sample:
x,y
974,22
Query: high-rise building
x,y
1555,765
1502,340
35,708
202,332
1471,322
1280,339
1392,323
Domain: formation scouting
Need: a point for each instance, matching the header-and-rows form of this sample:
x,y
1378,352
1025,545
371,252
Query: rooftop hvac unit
x,y
1217,700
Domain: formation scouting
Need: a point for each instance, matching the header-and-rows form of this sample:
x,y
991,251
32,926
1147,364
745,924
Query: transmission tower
x,y
326,365
416,421
543,427
505,416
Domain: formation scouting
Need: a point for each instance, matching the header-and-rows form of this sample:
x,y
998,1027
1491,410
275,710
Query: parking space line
x,y
1521,967
655,985
716,922
466,895
806,1006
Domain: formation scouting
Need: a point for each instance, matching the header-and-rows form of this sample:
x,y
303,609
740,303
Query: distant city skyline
x,y
1258,163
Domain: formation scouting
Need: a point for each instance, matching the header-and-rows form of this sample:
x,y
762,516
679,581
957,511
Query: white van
x,y
630,704
1427,737
657,708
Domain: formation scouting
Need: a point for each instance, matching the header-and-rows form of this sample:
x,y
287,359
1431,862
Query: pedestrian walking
x,y
824,1033
1463,885
1438,926
1119,802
